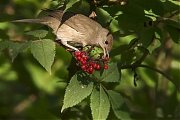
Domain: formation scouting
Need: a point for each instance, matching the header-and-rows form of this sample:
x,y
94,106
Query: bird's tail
x,y
41,21
49,21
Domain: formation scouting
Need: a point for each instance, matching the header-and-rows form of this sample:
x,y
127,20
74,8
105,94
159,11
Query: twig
x,y
151,68
143,57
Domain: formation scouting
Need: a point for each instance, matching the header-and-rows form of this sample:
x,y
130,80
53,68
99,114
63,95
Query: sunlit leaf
x,y
100,105
157,42
80,87
153,46
103,17
158,33
44,52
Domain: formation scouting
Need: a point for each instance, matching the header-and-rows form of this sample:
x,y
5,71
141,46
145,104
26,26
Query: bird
x,y
75,28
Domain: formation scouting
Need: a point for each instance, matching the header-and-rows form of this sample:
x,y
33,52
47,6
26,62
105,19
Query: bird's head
x,y
106,43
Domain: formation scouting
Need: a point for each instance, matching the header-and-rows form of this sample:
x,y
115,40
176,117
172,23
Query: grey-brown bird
x,y
75,28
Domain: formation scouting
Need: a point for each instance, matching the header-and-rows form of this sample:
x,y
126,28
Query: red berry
x,y
83,62
91,68
91,63
98,66
83,53
106,59
85,58
78,58
87,70
83,67
105,67
94,65
77,53
90,72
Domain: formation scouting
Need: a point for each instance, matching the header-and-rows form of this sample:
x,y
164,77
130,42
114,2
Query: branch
x,y
143,57
151,68
107,2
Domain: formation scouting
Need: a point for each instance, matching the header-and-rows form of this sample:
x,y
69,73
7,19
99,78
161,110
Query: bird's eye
x,y
106,42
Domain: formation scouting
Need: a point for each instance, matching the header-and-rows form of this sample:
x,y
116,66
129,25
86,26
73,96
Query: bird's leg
x,y
69,46
58,42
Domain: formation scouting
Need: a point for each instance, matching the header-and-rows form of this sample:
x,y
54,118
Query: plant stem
x,y
151,68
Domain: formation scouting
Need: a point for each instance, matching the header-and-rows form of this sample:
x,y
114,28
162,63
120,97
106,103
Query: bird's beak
x,y
106,53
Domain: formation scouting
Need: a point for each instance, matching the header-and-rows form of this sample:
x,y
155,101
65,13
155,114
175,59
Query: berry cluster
x,y
89,64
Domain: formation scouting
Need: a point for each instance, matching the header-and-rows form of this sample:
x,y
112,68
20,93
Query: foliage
x,y
146,41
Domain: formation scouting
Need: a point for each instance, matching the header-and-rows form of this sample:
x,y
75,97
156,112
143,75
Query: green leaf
x,y
172,23
155,5
80,87
147,36
126,9
118,105
127,14
37,33
6,17
79,6
16,48
170,5
113,73
119,50
99,104
70,4
177,111
130,18
128,56
4,44
174,33
44,52
4,34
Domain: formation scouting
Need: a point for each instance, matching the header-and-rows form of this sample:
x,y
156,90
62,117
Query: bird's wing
x,y
82,24
58,14
78,22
